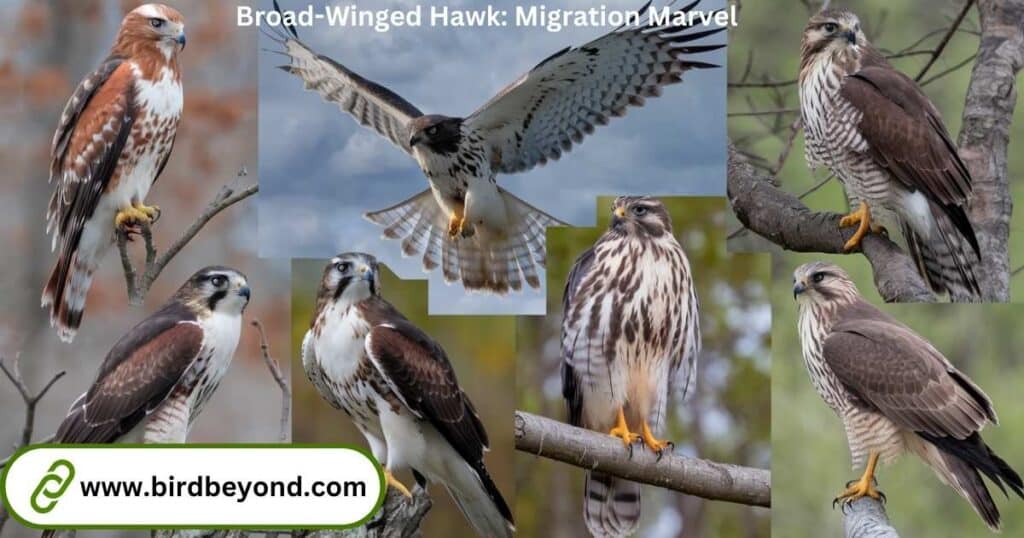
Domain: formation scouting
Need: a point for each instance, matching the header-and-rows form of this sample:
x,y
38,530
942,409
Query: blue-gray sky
x,y
320,171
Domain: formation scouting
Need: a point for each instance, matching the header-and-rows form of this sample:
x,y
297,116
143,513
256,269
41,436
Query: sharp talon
x,y
861,218
393,482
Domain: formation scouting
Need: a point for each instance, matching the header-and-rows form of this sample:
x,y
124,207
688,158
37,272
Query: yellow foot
x,y
621,430
151,211
861,218
455,224
654,444
393,482
130,217
864,487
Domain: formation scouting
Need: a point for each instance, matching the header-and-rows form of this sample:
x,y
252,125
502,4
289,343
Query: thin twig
x,y
275,370
945,40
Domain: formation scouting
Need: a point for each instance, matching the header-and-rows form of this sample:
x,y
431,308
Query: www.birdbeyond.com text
x,y
532,16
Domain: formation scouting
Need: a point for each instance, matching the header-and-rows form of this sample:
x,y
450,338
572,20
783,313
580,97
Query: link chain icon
x,y
52,486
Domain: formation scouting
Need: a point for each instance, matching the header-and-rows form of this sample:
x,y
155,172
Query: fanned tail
x,y
611,506
497,265
947,258
65,293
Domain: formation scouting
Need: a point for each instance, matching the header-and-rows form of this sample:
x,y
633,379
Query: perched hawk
x,y
895,392
877,131
476,231
396,383
630,335
156,379
113,140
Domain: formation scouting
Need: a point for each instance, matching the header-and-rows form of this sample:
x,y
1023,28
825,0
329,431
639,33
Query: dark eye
x,y
343,266
818,277
831,27
156,23
639,210
218,280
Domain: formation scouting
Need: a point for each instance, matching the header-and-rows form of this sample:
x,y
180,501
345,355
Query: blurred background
x,y
725,419
480,348
46,47
763,100
810,456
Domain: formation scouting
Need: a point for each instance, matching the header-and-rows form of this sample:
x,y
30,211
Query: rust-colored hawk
x,y
397,385
895,392
630,339
877,131
157,377
114,138
477,232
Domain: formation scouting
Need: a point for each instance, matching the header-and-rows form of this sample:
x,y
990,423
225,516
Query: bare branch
x,y
591,450
782,219
866,518
282,383
138,285
945,40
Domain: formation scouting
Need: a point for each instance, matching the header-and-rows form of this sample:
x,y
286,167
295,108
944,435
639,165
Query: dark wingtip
x,y
290,27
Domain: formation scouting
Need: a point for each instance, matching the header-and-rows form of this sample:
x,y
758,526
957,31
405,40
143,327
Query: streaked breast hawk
x,y
397,385
877,131
157,378
114,138
477,232
630,339
895,392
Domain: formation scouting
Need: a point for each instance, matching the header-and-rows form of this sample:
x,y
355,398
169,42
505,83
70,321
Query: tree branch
x,y
866,518
591,450
985,137
282,383
138,284
398,517
945,40
782,219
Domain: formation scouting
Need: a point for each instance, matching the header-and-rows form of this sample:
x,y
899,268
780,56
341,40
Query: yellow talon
x,y
393,482
652,443
861,218
129,216
151,211
621,430
864,487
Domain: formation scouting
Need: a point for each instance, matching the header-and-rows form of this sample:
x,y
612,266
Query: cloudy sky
x,y
320,171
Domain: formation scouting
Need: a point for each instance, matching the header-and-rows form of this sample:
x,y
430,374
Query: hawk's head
x,y
151,27
350,277
835,33
822,282
215,289
640,215
440,134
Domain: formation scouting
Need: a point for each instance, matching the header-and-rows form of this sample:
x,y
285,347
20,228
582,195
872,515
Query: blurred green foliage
x,y
725,419
891,26
481,349
811,462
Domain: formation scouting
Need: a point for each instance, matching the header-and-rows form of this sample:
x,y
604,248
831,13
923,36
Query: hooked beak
x,y
618,216
416,139
246,292
799,287
365,273
851,37
181,40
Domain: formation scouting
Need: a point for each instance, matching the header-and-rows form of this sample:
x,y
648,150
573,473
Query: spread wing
x,y
315,373
417,370
570,378
371,104
563,98
139,373
87,145
898,374
905,134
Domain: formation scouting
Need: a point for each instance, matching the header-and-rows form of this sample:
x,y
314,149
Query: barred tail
x,y
611,506
65,293
947,256
498,265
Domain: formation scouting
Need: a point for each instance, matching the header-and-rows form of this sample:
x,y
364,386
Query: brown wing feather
x,y
137,375
898,374
906,135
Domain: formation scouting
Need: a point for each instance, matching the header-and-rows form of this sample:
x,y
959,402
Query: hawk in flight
x,y
397,385
156,379
895,392
114,138
875,129
630,335
477,232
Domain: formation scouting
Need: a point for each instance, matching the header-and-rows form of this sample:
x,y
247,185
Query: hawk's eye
x,y
218,280
432,130
343,266
831,27
639,210
818,277
156,23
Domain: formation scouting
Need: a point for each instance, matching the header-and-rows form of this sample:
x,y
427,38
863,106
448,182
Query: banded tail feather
x,y
611,506
946,259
